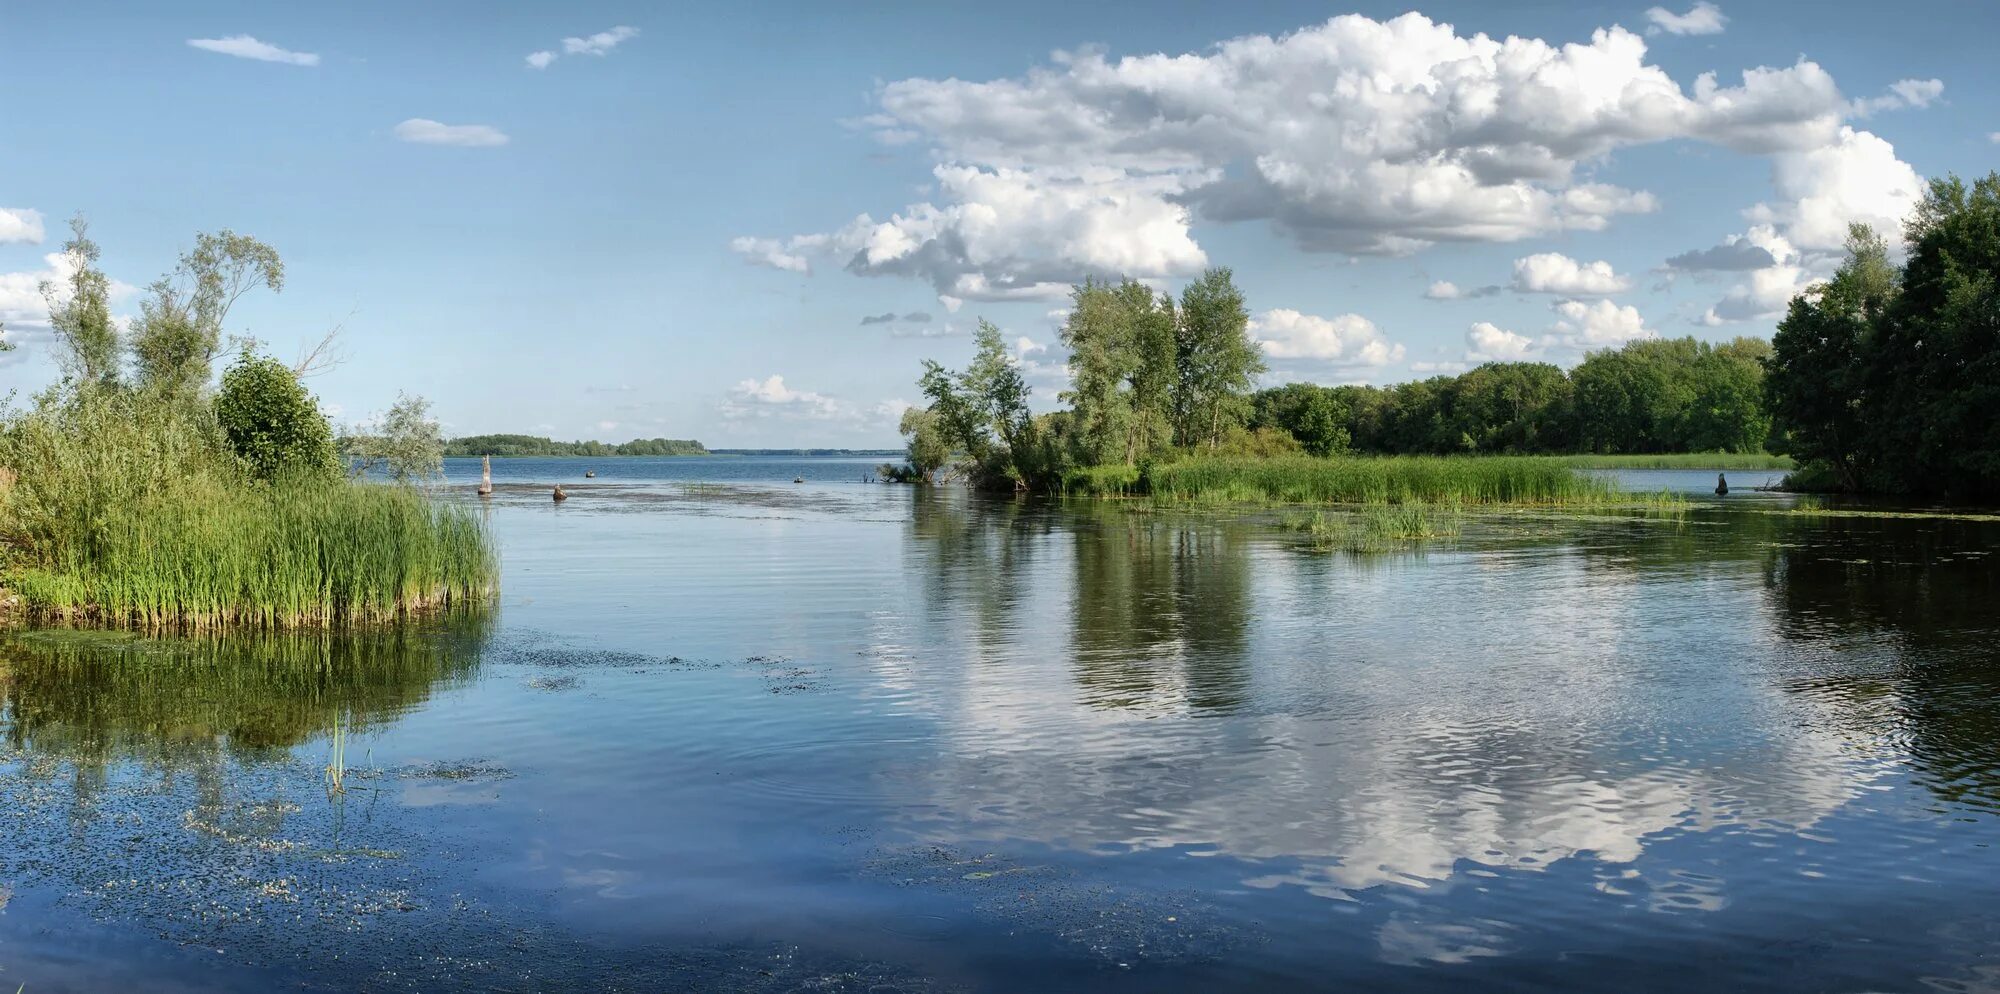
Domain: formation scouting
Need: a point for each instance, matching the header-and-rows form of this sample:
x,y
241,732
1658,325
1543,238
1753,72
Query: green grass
x,y
203,555
1470,480
1379,527
1681,460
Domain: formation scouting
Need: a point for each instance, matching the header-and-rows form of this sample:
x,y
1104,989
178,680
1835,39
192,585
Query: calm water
x,y
757,735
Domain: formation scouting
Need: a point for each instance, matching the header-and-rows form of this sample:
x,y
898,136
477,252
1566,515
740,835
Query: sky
x,y
748,224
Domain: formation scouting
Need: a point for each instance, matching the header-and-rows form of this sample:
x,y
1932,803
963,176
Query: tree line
x,y
1152,377
536,445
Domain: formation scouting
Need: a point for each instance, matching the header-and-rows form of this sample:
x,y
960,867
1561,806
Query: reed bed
x,y
201,555
1380,527
1683,461
1469,480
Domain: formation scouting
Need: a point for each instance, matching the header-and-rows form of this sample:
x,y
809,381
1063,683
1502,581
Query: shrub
x,y
272,423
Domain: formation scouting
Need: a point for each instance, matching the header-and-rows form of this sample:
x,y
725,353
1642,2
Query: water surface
x,y
731,732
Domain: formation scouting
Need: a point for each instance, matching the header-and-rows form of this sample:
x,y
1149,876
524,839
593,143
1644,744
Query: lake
x,y
729,732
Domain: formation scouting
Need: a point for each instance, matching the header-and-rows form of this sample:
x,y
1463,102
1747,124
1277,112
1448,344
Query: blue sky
x,y
672,218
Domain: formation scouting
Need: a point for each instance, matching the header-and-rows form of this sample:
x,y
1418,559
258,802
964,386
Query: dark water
x,y
754,735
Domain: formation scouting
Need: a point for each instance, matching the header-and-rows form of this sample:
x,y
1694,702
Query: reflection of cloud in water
x,y
1559,708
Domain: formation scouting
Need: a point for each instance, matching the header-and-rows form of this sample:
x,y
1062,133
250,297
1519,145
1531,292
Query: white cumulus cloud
x,y
247,47
1856,177
1487,342
1703,18
1354,135
424,131
770,252
1348,339
1912,93
1598,323
772,397
1553,272
19,224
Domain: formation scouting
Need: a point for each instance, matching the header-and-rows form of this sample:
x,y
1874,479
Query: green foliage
x,y
1888,381
536,445
149,503
271,422
1380,527
929,450
205,554
407,443
179,330
1312,414
80,312
1379,480
1215,360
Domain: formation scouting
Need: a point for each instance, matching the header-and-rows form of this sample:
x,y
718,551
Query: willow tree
x,y
178,334
80,311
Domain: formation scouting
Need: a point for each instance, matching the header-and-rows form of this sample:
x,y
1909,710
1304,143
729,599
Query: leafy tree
x,y
1815,373
1215,360
408,443
929,451
80,311
179,330
271,423
1311,414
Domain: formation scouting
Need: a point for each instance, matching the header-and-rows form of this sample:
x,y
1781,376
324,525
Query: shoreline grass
x,y
301,555
1379,527
1682,460
1485,480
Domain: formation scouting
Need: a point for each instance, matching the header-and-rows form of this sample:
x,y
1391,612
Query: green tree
x,y
1215,360
1312,414
80,311
271,423
929,450
408,443
179,330
1815,371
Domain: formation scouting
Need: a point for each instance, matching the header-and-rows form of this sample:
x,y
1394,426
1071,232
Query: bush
x,y
272,423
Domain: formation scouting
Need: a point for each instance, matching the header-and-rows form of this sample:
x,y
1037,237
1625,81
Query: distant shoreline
x,y
854,453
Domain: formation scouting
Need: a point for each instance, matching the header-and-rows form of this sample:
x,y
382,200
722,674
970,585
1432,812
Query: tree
x,y
408,443
1312,414
179,330
1815,371
1215,360
271,423
80,311
983,412
928,450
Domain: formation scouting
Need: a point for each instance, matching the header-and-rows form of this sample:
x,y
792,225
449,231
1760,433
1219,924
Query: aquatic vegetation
x,y
1683,460
1379,527
202,554
1521,480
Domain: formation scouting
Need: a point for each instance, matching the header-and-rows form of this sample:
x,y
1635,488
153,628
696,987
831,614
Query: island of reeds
x,y
1879,380
142,490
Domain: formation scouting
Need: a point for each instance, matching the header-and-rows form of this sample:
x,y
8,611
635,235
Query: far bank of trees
x,y
1152,377
1652,396
536,445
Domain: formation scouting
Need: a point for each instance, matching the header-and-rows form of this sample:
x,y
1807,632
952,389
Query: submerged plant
x,y
1379,527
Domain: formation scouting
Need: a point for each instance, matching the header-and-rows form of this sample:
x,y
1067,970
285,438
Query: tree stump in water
x,y
559,495
485,476
1721,485
589,474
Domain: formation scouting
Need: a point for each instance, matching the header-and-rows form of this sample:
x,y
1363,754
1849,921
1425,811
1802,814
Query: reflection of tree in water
x,y
1160,612
100,696
978,552
1914,604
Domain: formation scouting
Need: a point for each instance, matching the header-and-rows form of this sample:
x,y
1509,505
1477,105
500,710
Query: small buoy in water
x,y
589,474
1721,485
798,479
559,495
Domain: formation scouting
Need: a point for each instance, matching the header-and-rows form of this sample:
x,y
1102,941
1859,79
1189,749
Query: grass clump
x,y
1380,527
1514,480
